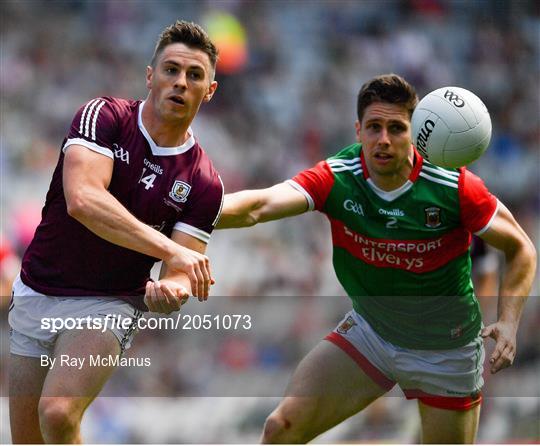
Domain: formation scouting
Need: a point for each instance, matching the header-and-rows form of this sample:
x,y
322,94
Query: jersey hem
x,y
193,231
305,193
134,297
488,224
434,345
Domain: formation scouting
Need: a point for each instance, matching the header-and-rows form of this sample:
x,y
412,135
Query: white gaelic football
x,y
451,127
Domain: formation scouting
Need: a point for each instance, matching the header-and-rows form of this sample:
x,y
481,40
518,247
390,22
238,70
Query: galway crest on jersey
x,y
180,191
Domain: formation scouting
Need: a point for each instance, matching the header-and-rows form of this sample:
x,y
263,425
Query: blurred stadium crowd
x,y
289,75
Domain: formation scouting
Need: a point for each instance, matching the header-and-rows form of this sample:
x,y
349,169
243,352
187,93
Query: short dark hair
x,y
188,33
389,88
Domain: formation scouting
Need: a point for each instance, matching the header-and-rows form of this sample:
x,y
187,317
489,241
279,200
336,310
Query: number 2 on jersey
x,y
148,180
391,223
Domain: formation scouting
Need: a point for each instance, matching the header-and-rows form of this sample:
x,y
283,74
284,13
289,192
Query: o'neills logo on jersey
x,y
155,167
180,191
392,212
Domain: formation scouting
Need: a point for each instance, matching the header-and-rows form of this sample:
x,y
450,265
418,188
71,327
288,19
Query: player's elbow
x,y
77,204
231,220
252,219
530,252
523,252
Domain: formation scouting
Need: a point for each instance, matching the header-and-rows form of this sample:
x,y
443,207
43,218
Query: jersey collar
x,y
164,151
393,194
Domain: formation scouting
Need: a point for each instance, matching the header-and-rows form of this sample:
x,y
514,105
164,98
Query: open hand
x,y
504,334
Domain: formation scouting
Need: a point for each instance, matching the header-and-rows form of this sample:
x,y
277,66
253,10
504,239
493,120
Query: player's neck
x,y
164,133
390,181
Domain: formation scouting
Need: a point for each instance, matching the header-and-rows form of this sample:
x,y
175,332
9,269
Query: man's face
x,y
385,135
180,82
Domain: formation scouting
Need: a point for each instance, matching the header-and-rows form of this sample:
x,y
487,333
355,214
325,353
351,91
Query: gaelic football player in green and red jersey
x,y
401,230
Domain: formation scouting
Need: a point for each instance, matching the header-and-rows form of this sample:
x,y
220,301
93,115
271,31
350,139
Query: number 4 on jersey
x,y
148,180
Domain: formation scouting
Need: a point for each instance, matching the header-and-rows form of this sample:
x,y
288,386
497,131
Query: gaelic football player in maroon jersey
x,y
401,230
132,186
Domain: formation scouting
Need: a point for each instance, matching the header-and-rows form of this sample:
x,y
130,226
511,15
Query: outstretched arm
x,y
520,266
249,207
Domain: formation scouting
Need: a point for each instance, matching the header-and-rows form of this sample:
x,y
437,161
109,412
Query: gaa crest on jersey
x,y
179,192
346,325
433,217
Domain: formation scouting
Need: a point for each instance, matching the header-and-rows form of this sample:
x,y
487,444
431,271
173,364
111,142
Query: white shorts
x,y
28,309
447,378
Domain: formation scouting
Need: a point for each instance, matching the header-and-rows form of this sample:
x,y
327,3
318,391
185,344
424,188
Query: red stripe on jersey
x,y
418,162
369,369
477,204
445,402
318,182
417,256
365,171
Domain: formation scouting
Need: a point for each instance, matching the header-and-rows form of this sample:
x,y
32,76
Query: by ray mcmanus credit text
x,y
93,361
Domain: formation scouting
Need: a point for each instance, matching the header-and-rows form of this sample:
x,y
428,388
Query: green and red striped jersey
x,y
403,256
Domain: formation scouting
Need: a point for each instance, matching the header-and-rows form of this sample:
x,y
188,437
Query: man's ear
x,y
211,90
149,74
358,131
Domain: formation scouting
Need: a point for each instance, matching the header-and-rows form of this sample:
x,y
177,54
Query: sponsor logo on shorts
x,y
346,325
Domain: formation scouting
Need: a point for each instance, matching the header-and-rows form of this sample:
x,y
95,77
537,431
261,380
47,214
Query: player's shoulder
x,y
100,120
349,153
441,176
203,168
118,107
121,103
347,159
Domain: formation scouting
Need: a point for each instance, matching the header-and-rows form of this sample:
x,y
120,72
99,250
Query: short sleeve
x,y
477,205
95,127
315,183
202,216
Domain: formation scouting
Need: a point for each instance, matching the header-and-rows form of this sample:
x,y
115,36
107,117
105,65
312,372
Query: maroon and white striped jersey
x,y
168,188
